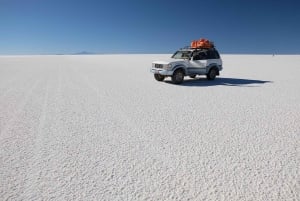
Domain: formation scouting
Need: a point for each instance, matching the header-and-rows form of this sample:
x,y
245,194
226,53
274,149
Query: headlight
x,y
168,66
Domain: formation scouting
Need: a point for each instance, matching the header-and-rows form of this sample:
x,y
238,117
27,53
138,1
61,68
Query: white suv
x,y
189,62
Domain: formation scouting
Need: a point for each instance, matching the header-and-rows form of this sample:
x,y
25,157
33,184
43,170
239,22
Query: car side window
x,y
213,54
196,56
200,56
217,56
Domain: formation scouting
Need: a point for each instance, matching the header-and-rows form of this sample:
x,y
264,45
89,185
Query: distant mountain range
x,y
83,53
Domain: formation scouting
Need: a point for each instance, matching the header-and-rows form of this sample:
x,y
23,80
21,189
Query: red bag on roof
x,y
202,43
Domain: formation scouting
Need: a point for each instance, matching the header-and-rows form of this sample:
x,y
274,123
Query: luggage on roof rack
x,y
202,43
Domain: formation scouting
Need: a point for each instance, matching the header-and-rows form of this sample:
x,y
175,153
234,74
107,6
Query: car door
x,y
198,63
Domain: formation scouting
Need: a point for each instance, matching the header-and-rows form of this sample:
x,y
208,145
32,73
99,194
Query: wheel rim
x,y
159,77
179,76
212,73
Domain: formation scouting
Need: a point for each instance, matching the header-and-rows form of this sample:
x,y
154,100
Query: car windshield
x,y
182,55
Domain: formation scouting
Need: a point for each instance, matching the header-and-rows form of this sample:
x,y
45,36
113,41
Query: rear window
x,y
213,54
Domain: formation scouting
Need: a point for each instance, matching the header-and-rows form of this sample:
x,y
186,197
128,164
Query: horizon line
x,y
132,53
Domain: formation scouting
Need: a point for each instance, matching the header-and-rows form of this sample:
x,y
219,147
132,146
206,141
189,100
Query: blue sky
x,y
148,26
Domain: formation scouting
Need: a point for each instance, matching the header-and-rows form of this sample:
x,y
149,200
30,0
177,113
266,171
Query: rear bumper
x,y
161,71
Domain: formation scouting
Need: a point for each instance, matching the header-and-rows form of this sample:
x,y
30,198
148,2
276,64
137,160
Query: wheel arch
x,y
180,67
211,66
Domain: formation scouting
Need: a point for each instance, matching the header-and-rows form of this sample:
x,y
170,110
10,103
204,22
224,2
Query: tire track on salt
x,y
13,159
11,96
46,176
32,179
5,131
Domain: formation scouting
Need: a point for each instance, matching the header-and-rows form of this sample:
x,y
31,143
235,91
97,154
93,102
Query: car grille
x,y
158,66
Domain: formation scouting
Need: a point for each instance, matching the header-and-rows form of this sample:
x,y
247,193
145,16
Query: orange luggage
x,y
202,43
194,44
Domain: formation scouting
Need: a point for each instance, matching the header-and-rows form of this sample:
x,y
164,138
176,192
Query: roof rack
x,y
196,48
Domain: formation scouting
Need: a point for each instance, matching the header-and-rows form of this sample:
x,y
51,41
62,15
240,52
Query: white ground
x,y
101,128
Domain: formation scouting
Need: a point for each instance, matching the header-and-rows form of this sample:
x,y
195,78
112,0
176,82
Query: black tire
x,y
159,77
178,76
211,75
192,76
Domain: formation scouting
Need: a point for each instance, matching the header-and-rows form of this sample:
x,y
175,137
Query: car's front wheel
x,y
159,77
178,77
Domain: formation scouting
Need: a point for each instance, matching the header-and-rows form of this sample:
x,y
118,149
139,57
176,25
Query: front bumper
x,y
161,71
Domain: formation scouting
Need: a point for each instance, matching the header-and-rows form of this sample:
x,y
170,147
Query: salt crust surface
x,y
101,128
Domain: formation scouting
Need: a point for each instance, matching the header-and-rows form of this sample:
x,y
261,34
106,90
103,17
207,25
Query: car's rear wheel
x,y
211,75
159,77
178,76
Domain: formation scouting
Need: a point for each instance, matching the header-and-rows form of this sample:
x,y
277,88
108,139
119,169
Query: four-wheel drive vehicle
x,y
189,62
